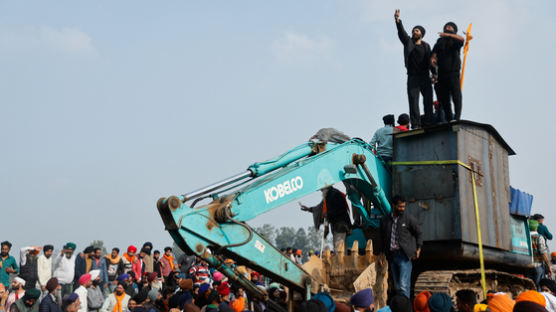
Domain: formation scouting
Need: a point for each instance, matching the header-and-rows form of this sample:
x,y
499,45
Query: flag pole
x,y
468,37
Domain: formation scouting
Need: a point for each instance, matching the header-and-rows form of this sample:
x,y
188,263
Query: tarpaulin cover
x,y
520,203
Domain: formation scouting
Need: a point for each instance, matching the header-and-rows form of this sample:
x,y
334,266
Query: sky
x,y
107,106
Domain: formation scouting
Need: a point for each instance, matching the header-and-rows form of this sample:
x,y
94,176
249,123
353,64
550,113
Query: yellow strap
x,y
480,240
475,202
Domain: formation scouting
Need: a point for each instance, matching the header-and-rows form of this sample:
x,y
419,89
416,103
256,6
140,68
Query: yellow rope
x,y
475,201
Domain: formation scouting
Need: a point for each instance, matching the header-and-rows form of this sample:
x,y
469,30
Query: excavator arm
x,y
219,229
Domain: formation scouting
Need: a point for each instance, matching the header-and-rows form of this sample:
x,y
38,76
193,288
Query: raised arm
x,y
402,34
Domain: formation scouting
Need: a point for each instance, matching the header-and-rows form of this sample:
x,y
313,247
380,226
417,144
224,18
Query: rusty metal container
x,y
440,194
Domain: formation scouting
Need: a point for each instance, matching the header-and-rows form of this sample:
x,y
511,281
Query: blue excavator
x,y
432,168
219,230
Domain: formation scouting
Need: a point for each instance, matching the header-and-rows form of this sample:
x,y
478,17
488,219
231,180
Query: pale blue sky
x,y
107,106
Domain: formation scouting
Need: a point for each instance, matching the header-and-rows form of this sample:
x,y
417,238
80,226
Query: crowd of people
x,y
148,281
139,280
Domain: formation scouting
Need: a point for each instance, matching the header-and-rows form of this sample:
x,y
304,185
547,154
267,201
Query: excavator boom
x,y
219,230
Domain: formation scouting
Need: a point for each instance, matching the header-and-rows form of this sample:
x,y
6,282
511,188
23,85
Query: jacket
x,y
114,267
95,298
448,55
28,267
111,301
148,263
409,234
102,267
383,139
80,268
19,306
409,44
543,230
48,304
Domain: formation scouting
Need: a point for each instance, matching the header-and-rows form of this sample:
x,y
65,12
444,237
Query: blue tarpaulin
x,y
520,203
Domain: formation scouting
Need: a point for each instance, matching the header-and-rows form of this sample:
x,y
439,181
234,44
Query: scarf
x,y
130,259
171,260
119,299
113,260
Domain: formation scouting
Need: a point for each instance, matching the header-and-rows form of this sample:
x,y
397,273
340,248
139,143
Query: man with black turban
x,y
446,55
416,54
548,285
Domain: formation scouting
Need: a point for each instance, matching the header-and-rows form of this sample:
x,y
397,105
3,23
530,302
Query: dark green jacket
x,y
543,230
19,306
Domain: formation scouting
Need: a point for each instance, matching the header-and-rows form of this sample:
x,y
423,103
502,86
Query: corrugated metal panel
x,y
441,196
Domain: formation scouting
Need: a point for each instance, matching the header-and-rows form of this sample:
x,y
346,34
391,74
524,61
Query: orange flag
x,y
468,37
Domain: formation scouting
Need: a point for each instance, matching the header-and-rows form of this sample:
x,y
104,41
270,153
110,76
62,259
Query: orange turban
x,y
553,254
501,303
238,305
533,296
421,302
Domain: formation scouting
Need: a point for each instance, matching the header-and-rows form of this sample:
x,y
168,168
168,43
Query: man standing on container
x,y
401,243
382,138
417,54
446,55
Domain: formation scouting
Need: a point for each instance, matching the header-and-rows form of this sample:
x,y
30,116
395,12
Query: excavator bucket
x,y
344,273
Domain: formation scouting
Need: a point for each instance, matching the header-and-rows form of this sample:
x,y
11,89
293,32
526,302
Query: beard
x,y
119,293
69,254
28,304
96,282
3,254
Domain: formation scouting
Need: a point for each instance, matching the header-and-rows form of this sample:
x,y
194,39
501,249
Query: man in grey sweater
x,y
95,298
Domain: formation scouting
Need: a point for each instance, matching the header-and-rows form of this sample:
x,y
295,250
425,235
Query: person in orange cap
x,y
533,296
421,302
501,303
299,257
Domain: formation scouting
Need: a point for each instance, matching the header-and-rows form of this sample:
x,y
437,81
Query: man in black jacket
x,y
446,55
334,209
401,243
48,303
416,54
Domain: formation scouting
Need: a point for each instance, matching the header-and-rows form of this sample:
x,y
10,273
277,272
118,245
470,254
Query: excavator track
x,y
450,282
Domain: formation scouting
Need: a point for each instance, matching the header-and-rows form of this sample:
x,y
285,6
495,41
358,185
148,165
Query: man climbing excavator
x,y
333,210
